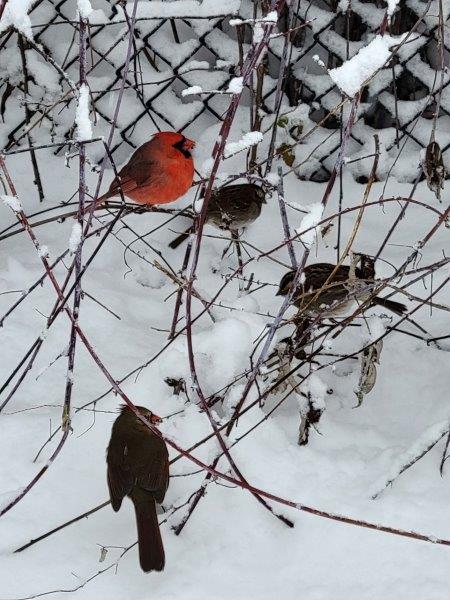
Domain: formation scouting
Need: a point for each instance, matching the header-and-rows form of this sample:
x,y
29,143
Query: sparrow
x,y
138,467
319,291
230,208
158,172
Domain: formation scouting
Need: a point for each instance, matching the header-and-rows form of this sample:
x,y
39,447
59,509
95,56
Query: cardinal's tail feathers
x,y
151,549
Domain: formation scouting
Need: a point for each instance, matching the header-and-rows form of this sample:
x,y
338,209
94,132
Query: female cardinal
x,y
321,289
158,172
231,208
138,467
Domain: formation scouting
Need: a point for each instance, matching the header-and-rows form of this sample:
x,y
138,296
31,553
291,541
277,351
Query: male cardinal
x,y
231,208
158,172
319,289
138,467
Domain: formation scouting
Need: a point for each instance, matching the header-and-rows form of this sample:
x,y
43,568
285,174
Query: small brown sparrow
x,y
231,208
138,467
319,291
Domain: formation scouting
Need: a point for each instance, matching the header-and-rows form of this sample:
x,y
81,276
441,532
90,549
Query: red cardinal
x,y
160,171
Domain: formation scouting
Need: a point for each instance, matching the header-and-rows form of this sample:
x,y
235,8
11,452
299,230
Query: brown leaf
x,y
285,151
433,167
368,375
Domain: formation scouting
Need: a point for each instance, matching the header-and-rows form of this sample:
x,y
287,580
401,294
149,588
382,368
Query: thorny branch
x,y
318,332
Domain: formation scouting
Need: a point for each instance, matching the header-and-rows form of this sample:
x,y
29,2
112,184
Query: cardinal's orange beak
x,y
154,419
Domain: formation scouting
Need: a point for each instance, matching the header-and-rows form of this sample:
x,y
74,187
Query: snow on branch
x,y
356,71
12,201
16,15
247,141
82,120
84,8
312,218
407,459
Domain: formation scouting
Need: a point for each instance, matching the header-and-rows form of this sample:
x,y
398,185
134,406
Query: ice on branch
x,y
312,218
12,202
84,8
16,15
351,76
82,120
192,91
235,86
247,141
75,237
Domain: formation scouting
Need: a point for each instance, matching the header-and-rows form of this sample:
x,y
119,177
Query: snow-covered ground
x,y
231,547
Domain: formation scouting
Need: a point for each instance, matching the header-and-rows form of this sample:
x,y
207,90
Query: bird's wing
x,y
120,483
153,476
137,173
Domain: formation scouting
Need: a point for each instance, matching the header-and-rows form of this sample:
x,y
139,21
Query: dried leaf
x,y
433,167
368,375
103,553
285,151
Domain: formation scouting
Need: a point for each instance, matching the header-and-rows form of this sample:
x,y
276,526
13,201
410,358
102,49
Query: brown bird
x,y
337,289
230,208
160,171
138,467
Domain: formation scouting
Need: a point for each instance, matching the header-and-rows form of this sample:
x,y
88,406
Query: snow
x,y
356,71
235,86
317,389
16,15
43,251
11,201
191,91
271,17
84,8
313,216
429,437
183,8
194,65
231,548
376,327
82,119
252,138
352,450
273,178
75,237
258,33
392,7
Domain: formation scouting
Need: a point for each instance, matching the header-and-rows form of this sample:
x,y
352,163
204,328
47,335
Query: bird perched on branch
x,y
230,208
138,467
325,285
160,171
